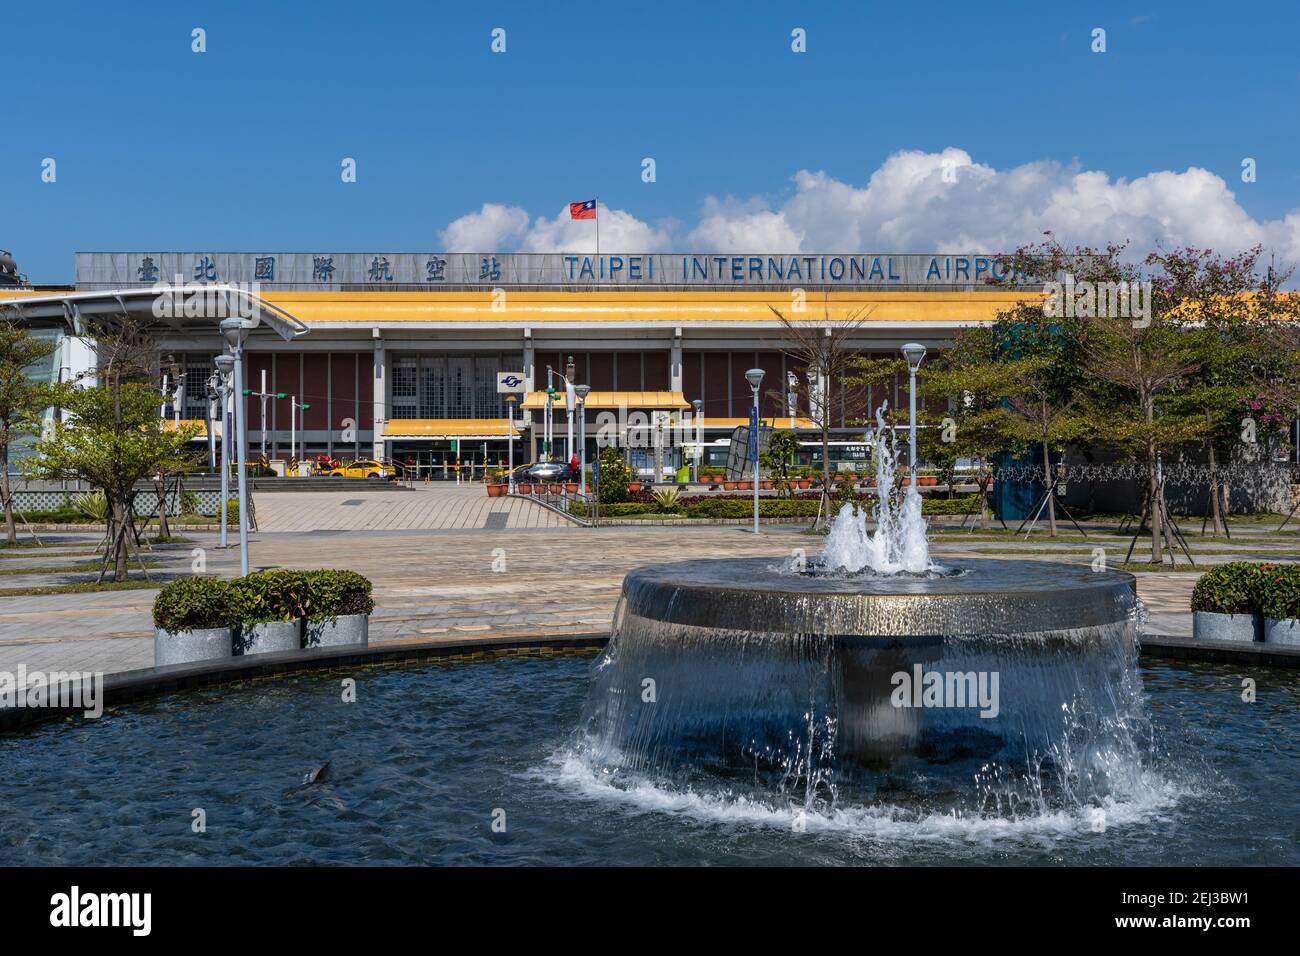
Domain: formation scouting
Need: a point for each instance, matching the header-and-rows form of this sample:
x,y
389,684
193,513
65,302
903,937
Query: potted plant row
x,y
1241,601
197,619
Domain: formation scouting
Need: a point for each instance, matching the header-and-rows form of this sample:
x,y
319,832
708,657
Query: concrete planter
x,y
185,647
1212,626
1282,631
336,631
269,636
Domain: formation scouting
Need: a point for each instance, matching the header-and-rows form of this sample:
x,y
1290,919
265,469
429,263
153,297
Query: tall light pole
x,y
570,372
913,352
580,392
510,444
755,378
234,331
225,363
699,435
263,394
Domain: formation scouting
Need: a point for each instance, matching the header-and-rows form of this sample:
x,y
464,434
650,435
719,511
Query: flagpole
x,y
597,225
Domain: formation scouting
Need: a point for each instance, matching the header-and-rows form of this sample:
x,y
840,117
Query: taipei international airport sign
x,y
407,270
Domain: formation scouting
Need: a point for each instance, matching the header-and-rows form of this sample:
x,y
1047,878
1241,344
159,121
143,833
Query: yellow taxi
x,y
361,468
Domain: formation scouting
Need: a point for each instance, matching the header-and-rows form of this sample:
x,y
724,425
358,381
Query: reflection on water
x,y
426,753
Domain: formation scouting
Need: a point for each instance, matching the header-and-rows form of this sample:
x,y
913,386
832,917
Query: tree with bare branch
x,y
826,356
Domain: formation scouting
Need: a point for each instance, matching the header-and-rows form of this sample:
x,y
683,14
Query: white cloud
x,y
908,204
620,231
492,228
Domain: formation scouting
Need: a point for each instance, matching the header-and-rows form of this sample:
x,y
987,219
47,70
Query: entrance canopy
x,y
179,309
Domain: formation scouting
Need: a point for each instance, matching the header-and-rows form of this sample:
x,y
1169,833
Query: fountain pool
x,y
428,751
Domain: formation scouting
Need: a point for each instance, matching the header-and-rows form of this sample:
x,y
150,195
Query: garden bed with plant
x,y
202,618
1248,601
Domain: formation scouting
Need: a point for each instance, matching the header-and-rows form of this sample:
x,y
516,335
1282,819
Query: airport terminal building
x,y
402,355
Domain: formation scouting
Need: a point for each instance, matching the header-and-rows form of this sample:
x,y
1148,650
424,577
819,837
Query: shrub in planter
x,y
337,608
1225,603
613,477
270,606
1278,599
192,619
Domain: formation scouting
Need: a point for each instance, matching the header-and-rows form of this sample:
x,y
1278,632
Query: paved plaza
x,y
423,507
442,569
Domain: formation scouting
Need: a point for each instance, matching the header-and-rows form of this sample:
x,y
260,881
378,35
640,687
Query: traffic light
x,y
304,406
281,394
248,391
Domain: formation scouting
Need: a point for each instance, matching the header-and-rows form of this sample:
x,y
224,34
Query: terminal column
x,y
380,395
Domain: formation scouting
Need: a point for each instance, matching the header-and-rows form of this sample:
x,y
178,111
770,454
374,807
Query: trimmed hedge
x,y
1243,587
803,505
192,604
265,596
333,594
1278,591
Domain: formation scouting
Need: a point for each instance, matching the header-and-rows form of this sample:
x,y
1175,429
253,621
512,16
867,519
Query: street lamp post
x,y
699,436
225,363
580,393
570,372
263,394
234,331
913,352
755,378
510,444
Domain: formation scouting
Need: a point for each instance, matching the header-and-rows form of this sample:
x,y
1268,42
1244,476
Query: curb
x,y
1222,652
126,687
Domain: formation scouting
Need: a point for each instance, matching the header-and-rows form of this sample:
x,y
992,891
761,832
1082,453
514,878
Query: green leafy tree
x,y
988,387
111,437
1238,324
23,399
1108,374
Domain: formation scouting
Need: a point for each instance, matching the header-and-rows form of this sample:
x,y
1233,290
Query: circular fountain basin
x,y
970,598
747,663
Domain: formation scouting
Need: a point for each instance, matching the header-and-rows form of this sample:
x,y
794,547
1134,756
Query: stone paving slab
x,y
436,506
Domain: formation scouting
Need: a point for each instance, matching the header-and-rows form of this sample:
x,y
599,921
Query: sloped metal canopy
x,y
188,308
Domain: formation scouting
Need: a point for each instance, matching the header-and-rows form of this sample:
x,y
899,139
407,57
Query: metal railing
x,y
561,500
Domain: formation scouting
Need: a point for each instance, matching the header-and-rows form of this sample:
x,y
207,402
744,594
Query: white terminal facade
x,y
399,355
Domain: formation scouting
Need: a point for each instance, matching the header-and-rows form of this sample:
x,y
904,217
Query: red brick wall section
x,y
315,374
343,382
602,371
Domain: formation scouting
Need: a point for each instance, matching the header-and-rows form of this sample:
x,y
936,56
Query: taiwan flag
x,y
583,210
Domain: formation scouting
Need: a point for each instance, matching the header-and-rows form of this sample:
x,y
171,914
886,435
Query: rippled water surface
x,y
427,754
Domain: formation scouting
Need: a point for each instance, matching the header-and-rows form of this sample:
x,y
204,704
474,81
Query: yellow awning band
x,y
646,401
482,428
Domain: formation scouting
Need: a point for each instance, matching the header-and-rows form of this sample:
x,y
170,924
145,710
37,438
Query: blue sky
x,y
240,147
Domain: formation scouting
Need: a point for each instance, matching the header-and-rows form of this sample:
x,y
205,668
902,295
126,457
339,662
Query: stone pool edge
x,y
125,687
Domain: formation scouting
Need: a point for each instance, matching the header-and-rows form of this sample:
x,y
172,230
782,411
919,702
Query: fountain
x,y
873,667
